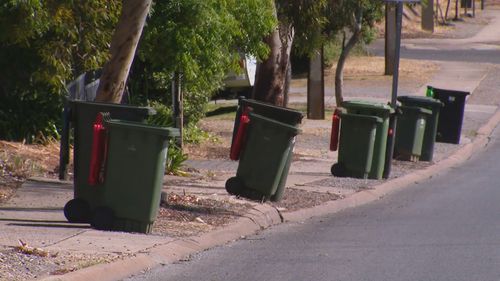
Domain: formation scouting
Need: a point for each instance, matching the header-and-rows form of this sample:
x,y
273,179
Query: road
x,y
446,228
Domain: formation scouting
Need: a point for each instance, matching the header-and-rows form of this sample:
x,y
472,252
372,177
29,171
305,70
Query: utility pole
x,y
395,80
390,40
316,87
428,16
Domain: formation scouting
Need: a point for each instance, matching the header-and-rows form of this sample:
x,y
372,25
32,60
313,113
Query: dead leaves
x,y
24,248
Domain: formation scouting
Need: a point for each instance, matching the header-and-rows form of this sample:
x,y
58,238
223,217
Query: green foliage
x,y
43,45
342,15
30,117
308,18
203,41
194,134
163,116
65,38
191,134
333,48
175,159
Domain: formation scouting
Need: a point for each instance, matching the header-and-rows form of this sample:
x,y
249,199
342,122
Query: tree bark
x,y
272,77
447,9
122,50
339,72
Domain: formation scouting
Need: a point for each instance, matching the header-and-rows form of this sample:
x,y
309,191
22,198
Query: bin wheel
x,y
234,186
338,170
77,211
103,218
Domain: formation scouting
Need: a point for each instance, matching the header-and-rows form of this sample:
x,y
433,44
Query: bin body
x,y
136,159
265,161
431,123
451,115
410,131
384,112
357,144
280,114
83,115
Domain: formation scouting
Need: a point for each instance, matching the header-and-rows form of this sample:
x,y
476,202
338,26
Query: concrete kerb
x,y
258,218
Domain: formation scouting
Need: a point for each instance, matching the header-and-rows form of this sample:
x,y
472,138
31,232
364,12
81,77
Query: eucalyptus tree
x,y
355,20
299,21
203,40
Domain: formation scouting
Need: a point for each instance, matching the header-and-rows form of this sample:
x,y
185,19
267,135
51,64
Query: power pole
x,y
390,38
316,87
428,16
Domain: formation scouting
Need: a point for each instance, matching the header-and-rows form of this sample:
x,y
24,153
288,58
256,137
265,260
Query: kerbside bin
x,y
356,145
431,122
265,159
281,114
82,116
133,178
410,131
278,113
451,115
384,112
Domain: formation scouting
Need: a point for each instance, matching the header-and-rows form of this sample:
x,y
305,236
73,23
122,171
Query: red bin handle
x,y
240,136
334,137
98,151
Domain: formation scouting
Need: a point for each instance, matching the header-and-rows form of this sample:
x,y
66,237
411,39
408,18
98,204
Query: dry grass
x,y
372,68
184,215
22,161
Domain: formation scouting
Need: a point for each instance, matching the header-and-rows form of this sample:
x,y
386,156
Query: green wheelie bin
x,y
133,178
431,123
281,114
356,145
410,131
384,112
265,159
82,116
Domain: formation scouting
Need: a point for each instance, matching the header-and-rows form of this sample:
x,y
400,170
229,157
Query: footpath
x,y
33,219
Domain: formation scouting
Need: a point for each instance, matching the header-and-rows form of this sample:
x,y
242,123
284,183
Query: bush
x,y
30,117
175,160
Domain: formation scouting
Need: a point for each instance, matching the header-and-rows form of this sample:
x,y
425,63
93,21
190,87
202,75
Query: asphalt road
x,y
446,228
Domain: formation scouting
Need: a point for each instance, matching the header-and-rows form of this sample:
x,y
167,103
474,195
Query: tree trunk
x,y
447,9
123,46
339,72
272,81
